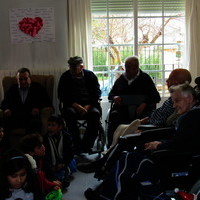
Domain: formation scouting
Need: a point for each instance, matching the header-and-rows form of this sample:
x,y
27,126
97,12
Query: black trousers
x,y
92,118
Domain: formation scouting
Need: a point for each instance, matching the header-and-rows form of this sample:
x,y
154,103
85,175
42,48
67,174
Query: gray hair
x,y
186,89
76,60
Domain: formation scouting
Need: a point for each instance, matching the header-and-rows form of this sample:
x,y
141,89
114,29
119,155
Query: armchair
x,y
47,81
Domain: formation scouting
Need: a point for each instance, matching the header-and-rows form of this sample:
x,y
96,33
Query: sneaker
x,y
91,194
100,174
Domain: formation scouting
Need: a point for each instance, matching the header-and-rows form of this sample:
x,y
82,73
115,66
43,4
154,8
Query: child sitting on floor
x,y
32,146
17,179
59,154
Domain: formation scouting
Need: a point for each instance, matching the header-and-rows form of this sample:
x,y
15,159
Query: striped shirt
x,y
160,115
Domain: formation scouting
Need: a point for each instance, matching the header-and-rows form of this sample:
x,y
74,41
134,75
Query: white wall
x,y
36,54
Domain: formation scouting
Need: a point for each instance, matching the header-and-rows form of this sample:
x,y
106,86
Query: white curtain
x,y
193,36
79,30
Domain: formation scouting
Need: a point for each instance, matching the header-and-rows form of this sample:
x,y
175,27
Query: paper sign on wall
x,y
32,25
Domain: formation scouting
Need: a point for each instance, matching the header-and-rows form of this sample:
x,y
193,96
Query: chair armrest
x,y
158,134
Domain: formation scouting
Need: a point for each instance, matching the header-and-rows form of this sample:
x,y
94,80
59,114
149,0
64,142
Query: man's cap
x,y
74,61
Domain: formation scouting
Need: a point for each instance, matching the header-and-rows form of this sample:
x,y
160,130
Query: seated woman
x,y
126,170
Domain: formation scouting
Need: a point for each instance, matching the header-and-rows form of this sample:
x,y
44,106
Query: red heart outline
x,y
31,26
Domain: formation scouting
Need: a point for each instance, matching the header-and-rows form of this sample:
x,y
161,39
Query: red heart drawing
x,y
31,26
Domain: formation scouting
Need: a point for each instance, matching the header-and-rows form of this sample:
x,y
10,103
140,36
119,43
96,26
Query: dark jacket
x,y
66,88
67,152
37,98
187,135
142,85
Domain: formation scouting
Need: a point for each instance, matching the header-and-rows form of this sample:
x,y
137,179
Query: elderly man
x,y
133,169
79,92
158,117
132,82
23,102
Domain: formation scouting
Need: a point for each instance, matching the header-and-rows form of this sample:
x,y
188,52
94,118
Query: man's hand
x,y
87,107
151,145
80,109
7,112
117,100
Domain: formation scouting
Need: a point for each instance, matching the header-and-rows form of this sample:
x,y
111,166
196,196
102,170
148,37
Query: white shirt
x,y
20,194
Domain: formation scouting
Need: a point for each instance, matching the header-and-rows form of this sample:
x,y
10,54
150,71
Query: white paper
x,y
47,31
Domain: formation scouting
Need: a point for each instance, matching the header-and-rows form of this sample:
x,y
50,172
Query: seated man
x,y
79,92
158,117
132,82
23,102
129,168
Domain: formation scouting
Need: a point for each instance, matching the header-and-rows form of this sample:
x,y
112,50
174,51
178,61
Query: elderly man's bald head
x,y
179,76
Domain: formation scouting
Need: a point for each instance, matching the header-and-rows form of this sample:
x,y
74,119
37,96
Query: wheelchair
x,y
176,169
130,102
100,142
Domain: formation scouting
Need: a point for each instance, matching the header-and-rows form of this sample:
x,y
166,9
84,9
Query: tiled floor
x,y
80,183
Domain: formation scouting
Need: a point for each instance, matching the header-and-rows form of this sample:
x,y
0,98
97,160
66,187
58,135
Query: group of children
x,y
38,165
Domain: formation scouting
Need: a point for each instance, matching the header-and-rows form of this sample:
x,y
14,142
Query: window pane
x,y
120,8
160,7
174,29
121,31
99,32
176,7
150,30
149,7
173,56
151,57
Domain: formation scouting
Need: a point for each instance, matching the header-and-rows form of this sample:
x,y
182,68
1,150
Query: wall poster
x,y
32,25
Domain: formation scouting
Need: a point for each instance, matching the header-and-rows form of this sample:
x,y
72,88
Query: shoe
x,y
86,167
100,174
65,184
91,194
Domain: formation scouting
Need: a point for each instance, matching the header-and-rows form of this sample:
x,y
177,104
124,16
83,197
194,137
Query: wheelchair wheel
x,y
100,141
107,123
102,137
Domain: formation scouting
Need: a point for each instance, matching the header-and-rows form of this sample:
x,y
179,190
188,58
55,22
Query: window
x,y
152,29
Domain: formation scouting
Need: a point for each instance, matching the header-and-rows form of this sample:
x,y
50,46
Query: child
x,y
32,146
17,180
59,152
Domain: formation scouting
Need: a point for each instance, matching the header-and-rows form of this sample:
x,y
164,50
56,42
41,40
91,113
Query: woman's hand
x,y
151,145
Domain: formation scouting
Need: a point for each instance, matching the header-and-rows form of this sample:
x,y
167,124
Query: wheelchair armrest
x,y
158,134
147,127
147,136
